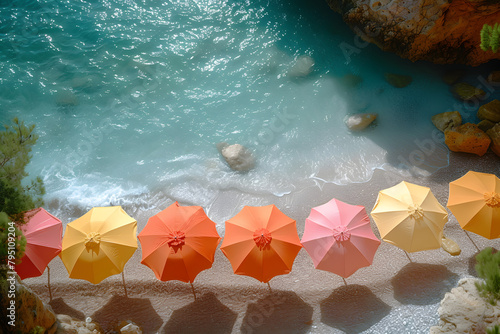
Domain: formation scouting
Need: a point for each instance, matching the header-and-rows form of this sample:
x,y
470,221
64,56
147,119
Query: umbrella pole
x,y
269,286
124,286
408,256
48,282
192,289
345,282
472,240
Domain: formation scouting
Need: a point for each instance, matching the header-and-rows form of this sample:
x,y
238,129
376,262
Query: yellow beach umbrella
x,y
409,217
475,201
98,244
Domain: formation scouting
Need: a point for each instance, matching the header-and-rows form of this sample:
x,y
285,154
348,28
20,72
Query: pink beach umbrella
x,y
339,238
43,234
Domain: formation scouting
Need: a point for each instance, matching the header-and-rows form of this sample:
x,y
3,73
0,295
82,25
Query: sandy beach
x,y
393,295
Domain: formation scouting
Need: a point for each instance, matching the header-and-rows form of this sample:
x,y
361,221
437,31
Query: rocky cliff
x,y
439,31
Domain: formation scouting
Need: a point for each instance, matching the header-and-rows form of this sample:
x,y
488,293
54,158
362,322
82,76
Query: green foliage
x,y
490,37
37,330
488,268
6,227
16,143
493,330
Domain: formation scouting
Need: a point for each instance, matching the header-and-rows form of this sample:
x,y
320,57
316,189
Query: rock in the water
x,y
29,310
467,138
494,134
450,246
490,111
359,122
494,77
452,76
463,311
485,125
238,157
467,92
439,31
351,80
398,80
447,120
66,98
302,67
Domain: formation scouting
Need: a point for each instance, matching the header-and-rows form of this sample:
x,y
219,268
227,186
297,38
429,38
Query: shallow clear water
x,y
130,98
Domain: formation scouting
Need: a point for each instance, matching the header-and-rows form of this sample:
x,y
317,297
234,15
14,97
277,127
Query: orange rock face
x,y
467,138
440,31
494,134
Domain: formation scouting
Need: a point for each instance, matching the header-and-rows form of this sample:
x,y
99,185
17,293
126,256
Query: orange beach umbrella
x,y
410,217
178,243
99,243
261,242
475,201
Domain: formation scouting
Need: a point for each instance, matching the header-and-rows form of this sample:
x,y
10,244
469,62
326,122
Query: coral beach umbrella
x,y
99,244
43,234
339,239
474,200
261,242
178,243
410,217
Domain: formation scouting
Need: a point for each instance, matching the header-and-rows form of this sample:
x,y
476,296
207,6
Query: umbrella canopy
x,y
43,234
261,242
339,238
410,217
475,201
99,243
179,242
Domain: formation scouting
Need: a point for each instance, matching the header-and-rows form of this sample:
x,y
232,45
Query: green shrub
x,y
490,37
9,232
488,268
493,330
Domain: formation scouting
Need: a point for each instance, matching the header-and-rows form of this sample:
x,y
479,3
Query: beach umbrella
x,y
261,242
338,238
409,217
99,243
178,243
43,234
474,200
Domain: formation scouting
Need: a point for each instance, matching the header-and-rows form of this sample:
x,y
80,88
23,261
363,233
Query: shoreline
x,y
386,290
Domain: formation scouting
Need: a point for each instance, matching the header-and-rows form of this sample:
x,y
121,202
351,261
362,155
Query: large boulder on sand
x,y
463,311
238,157
447,120
490,111
494,134
467,138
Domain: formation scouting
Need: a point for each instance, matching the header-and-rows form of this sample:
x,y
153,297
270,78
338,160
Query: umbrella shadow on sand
x,y
423,284
59,306
121,308
353,309
280,312
205,315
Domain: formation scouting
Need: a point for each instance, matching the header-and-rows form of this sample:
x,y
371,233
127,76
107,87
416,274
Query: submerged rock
x,y
359,122
238,157
494,134
452,76
467,92
447,120
398,80
302,67
494,77
351,80
490,111
65,98
463,311
467,138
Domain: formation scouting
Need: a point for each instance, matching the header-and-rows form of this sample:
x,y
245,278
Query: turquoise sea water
x,y
130,98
